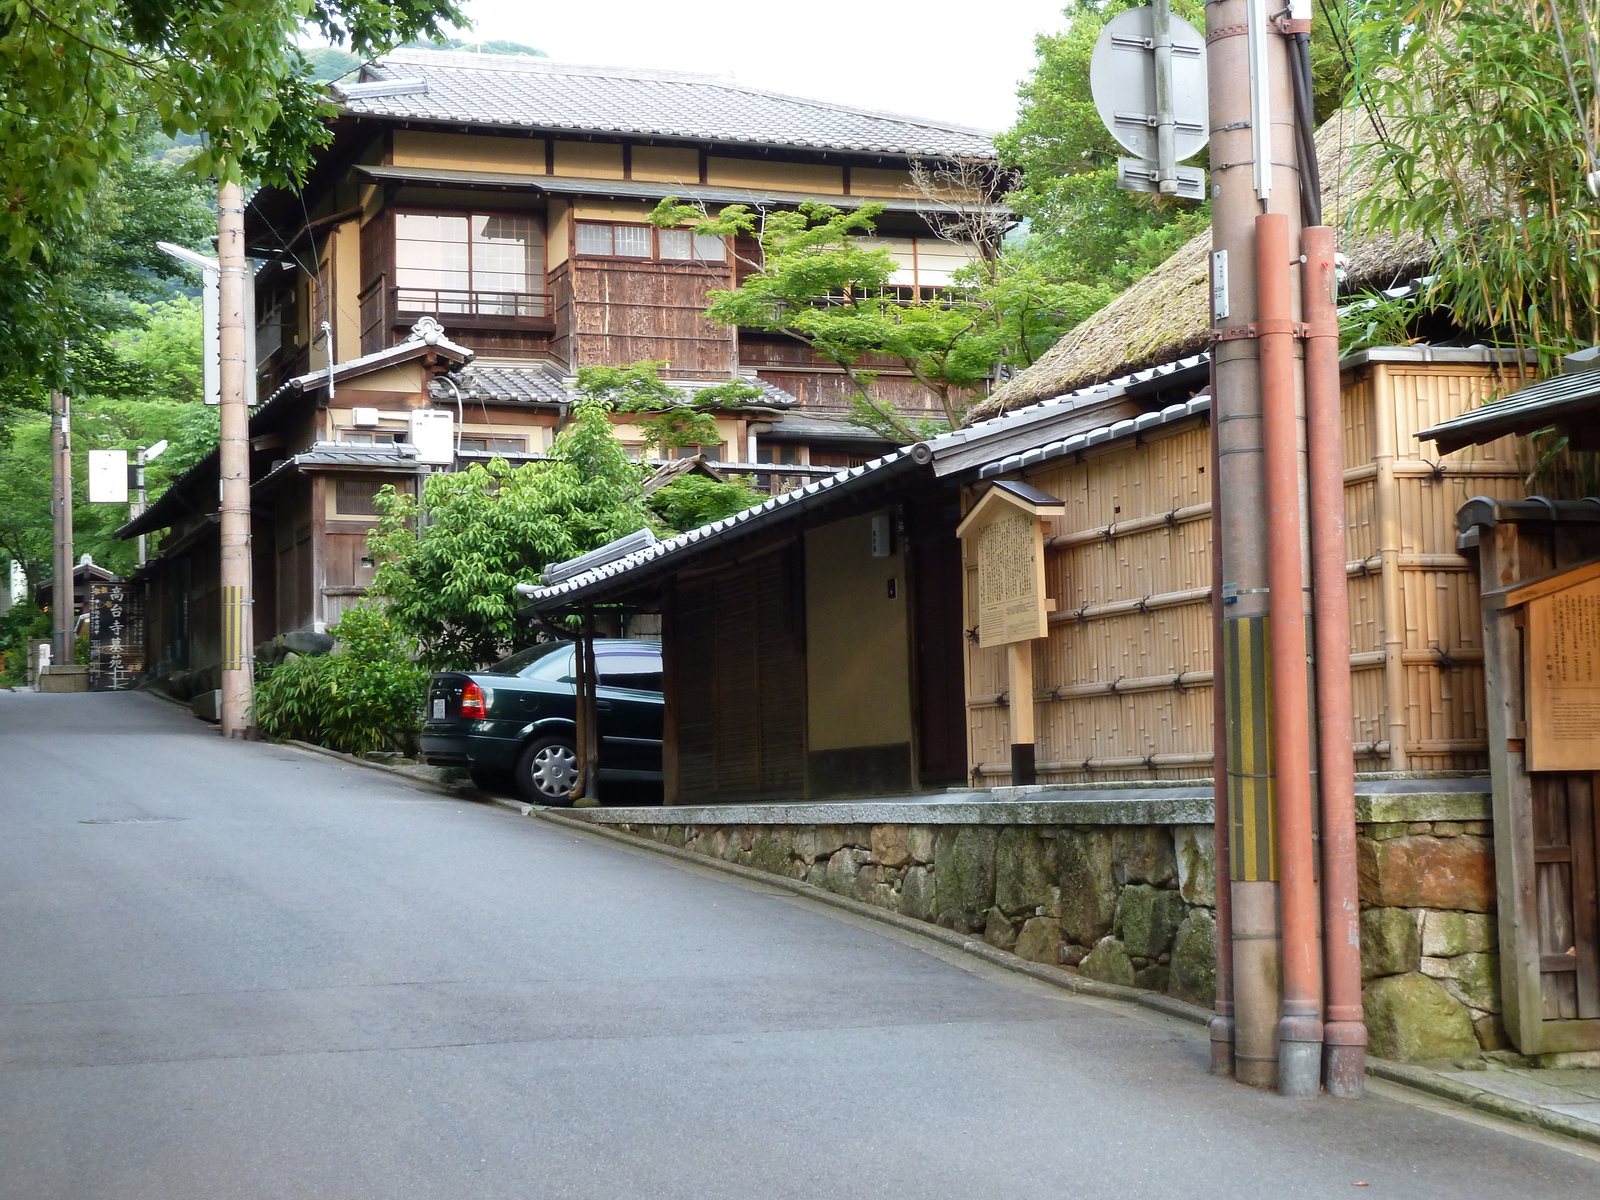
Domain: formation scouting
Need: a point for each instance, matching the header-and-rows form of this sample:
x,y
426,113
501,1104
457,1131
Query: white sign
x,y
108,477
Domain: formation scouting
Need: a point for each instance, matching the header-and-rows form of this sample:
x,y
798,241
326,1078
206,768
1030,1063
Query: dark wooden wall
x,y
737,681
611,312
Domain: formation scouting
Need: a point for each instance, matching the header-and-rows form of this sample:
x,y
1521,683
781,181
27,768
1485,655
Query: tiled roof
x,y
534,93
1559,399
544,383
928,453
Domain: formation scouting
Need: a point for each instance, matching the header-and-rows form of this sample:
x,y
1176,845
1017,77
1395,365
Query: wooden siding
x,y
611,313
737,682
1124,680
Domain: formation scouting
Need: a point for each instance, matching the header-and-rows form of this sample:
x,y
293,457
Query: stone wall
x,y
1120,885
1133,905
1428,939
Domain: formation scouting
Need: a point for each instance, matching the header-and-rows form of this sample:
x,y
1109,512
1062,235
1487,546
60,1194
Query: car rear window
x,y
523,660
630,668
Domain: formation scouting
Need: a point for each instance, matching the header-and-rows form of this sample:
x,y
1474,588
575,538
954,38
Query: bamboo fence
x,y
1123,683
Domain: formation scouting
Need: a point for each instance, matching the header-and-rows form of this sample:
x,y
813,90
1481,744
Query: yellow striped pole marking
x,y
1252,792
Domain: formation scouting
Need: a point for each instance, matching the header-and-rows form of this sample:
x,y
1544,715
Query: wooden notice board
x,y
1563,672
1003,537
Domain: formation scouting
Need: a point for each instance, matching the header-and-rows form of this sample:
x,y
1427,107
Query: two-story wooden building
x,y
474,234
508,196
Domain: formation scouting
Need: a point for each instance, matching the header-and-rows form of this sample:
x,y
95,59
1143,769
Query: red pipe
x,y
1345,1033
1300,1026
1222,1023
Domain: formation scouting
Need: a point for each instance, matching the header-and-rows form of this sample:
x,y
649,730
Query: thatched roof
x,y
1166,315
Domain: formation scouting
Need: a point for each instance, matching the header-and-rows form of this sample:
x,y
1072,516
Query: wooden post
x,y
1514,839
1019,660
238,659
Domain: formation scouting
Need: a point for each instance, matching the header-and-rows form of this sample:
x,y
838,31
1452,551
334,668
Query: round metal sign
x,y
1122,78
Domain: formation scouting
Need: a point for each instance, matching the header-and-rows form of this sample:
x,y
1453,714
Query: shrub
x,y
367,695
17,626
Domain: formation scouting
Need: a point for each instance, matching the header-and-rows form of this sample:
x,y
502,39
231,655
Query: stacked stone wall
x,y
1127,904
1135,904
1429,964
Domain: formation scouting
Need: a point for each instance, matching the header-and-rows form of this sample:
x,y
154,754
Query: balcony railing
x,y
450,301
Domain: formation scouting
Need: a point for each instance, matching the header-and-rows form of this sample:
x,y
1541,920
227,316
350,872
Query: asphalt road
x,y
234,970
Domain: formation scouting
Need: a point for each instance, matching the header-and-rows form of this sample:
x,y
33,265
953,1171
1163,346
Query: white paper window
x,y
632,241
485,263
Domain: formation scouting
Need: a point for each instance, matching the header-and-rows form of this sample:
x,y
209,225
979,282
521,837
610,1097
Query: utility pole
x,y
62,596
1254,145
1294,954
238,688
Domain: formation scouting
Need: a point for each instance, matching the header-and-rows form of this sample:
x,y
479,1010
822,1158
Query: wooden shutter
x,y
782,671
693,633
1565,865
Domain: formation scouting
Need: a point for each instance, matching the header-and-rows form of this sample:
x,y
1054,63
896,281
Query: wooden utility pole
x,y
62,598
238,689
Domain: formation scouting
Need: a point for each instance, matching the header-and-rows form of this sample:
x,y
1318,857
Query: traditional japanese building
x,y
474,234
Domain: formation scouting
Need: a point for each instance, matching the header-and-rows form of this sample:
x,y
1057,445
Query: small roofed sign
x,y
1563,710
1003,537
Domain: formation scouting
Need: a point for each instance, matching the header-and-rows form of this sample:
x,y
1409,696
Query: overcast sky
x,y
960,62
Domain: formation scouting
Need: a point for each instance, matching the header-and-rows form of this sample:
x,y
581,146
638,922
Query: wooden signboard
x,y
1563,673
116,636
1003,536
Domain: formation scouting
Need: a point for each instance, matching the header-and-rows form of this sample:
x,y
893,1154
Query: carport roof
x,y
977,452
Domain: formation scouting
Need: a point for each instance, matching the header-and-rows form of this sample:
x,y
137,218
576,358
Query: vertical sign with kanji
x,y
116,636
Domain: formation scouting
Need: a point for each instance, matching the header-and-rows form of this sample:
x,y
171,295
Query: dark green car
x,y
514,723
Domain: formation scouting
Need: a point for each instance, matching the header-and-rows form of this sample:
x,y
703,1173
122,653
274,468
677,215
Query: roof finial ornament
x,y
427,330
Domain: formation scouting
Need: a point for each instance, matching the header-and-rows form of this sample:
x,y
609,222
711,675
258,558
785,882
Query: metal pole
x,y
63,598
234,446
1344,1033
138,493
1166,154
1300,1028
1222,1023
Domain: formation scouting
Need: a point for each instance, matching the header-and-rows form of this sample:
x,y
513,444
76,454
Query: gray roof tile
x,y
510,90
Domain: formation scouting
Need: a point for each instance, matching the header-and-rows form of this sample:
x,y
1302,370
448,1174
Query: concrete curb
x,y
1066,980
454,791
1424,1080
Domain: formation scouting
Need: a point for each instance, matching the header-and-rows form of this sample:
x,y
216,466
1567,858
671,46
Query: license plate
x,y
438,710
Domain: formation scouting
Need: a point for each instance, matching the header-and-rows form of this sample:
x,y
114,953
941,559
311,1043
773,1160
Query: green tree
x,y
1081,227
669,417
821,283
448,561
691,501
1491,126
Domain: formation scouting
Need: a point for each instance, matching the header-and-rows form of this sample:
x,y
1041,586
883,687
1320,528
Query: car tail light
x,y
472,701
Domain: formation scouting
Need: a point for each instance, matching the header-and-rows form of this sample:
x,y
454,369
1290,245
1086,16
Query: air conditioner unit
x,y
433,434
364,418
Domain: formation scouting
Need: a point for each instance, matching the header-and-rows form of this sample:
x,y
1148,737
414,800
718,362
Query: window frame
x,y
539,281
655,254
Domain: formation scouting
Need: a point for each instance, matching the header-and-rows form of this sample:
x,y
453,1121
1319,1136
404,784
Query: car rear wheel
x,y
547,771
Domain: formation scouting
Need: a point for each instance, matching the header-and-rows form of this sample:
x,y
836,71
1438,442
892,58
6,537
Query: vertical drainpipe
x,y
1232,59
1344,1032
1222,1022
1300,1027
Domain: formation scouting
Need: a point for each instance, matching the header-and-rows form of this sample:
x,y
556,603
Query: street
x,y
242,970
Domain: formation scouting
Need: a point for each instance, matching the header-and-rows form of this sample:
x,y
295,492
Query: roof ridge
x,y
526,64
